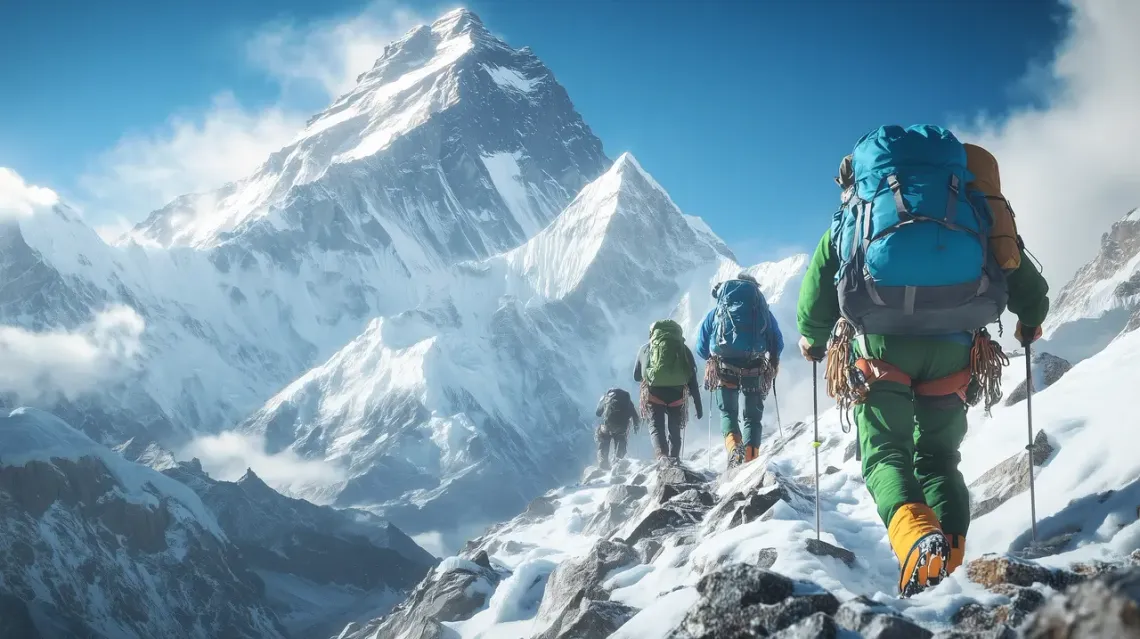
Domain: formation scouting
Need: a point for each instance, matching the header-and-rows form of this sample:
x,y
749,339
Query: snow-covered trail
x,y
676,524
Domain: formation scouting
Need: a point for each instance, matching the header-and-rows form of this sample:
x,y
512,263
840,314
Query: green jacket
x,y
818,308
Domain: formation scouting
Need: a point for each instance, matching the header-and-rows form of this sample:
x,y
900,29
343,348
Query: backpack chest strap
x,y
876,370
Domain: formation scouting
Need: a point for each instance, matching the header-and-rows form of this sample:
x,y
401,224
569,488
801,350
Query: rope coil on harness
x,y
986,361
846,384
719,374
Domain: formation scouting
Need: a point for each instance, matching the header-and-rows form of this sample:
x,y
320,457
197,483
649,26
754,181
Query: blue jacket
x,y
775,337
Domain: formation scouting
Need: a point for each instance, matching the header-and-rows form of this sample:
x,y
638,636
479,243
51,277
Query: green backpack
x,y
668,364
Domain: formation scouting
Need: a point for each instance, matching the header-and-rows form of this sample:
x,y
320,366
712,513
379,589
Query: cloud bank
x,y
227,455
41,365
1071,168
19,200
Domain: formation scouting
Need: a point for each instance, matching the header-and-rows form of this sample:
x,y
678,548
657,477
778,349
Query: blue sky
x,y
741,109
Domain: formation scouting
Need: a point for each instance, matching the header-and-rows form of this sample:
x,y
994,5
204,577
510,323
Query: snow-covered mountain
x,y
96,546
462,410
668,551
454,146
1103,298
321,567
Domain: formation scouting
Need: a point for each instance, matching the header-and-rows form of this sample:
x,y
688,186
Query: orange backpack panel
x,y
987,179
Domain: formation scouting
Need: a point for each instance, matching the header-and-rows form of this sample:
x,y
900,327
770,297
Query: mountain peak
x,y
458,21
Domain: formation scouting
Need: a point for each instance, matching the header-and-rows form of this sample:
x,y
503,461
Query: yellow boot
x,y
957,552
735,450
921,547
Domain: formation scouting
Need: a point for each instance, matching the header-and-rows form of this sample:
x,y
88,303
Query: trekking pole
x,y
815,442
1029,447
708,452
776,398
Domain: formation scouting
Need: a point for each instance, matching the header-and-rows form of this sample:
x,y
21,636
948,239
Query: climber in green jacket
x,y
912,419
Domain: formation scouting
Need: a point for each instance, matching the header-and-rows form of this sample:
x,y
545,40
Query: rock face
x,y
93,545
1107,606
1048,369
1009,478
356,564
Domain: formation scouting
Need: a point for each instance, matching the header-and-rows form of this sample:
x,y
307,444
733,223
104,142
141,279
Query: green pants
x,y
728,401
910,443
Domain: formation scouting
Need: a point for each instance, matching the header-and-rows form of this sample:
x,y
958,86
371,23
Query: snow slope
x,y
1087,492
93,545
1102,299
464,409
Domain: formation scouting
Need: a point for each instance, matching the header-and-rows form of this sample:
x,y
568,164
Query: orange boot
x,y
957,552
735,450
751,452
921,547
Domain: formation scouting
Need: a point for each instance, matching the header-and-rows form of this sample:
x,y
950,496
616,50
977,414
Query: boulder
x,y
1105,606
766,558
871,619
756,504
824,549
818,626
992,570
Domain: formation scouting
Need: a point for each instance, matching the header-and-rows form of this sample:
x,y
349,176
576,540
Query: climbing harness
x,y
815,442
1029,446
720,374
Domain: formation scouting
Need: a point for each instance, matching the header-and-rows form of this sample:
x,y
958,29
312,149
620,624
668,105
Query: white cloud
x,y
70,363
228,455
194,152
1070,167
18,199
330,53
190,153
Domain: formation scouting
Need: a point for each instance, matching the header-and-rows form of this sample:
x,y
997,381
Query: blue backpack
x,y
740,321
912,240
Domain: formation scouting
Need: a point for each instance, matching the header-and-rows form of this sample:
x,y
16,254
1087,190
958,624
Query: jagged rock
x,y
677,474
1004,632
589,620
974,617
849,453
766,558
1007,479
452,593
1135,557
724,508
582,578
625,494
874,620
824,549
682,510
756,504
1106,606
1022,604
1052,368
592,473
738,600
818,626
639,479
830,470
649,550
991,570
540,507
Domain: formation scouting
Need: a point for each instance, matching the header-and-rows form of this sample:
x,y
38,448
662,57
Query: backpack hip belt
x,y
875,370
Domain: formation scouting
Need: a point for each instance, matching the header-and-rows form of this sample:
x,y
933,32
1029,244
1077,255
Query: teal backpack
x,y
912,240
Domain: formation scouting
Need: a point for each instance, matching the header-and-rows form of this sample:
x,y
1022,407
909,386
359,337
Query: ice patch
x,y
510,79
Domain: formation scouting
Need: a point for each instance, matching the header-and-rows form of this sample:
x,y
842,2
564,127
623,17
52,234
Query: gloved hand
x,y
812,353
1026,335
